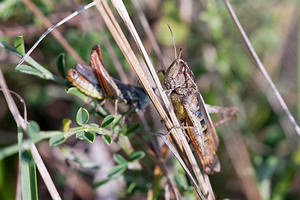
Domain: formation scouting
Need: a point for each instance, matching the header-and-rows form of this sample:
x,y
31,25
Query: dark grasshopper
x,y
95,81
190,109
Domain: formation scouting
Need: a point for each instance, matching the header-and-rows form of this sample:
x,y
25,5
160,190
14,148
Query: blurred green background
x,y
260,145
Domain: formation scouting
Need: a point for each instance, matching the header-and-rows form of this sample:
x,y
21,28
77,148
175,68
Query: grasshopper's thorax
x,y
180,78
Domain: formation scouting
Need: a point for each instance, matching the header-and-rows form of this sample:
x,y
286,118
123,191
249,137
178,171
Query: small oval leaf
x,y
119,159
89,137
33,128
136,156
94,125
60,63
56,140
117,121
132,128
82,116
117,170
107,121
107,139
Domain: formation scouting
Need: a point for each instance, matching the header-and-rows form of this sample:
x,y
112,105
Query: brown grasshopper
x,y
190,109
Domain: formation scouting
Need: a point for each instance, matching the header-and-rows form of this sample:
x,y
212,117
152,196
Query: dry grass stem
x,y
261,67
55,33
178,135
35,154
149,32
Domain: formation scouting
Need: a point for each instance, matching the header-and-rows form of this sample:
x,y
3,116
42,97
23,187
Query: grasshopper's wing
x,y
87,72
106,82
210,125
133,95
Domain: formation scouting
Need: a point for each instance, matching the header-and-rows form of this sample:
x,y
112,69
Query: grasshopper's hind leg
x,y
227,113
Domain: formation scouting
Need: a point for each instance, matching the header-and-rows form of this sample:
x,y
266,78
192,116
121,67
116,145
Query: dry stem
x,y
261,67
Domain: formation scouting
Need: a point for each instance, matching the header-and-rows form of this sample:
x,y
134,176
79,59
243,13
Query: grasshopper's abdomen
x,y
201,135
84,85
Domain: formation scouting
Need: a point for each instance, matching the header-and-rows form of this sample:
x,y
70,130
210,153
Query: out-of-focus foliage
x,y
225,74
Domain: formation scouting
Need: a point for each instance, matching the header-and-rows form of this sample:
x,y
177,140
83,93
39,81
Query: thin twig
x,y
261,66
55,33
35,154
49,30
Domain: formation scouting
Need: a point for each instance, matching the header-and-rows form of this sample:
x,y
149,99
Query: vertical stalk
x,y
298,56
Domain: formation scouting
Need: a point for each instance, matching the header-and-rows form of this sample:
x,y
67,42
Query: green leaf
x,y
7,47
28,179
117,170
56,140
107,139
61,63
132,128
89,137
119,159
19,44
181,181
26,69
80,135
100,183
86,136
94,125
117,121
82,116
33,128
39,69
131,187
107,121
136,156
66,124
74,91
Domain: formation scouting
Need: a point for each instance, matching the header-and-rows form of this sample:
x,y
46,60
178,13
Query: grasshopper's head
x,y
179,77
174,77
72,75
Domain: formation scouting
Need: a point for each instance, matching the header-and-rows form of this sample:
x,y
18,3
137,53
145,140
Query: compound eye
x,y
182,69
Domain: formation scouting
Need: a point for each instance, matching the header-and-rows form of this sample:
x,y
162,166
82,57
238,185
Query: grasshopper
x,y
190,109
95,81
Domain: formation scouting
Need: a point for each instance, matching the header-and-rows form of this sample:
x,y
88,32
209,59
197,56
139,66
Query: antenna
x,y
173,41
180,51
